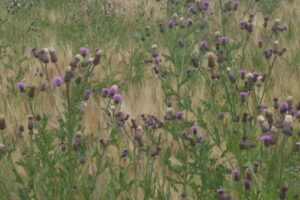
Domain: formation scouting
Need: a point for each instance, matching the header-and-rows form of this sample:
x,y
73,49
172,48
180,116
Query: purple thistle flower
x,y
84,51
104,92
117,98
203,5
172,23
224,40
283,107
243,74
247,183
21,86
293,112
235,173
179,114
191,10
266,139
203,46
113,90
58,81
194,129
243,96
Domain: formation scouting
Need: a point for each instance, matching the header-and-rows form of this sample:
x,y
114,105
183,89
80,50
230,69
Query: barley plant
x,y
149,99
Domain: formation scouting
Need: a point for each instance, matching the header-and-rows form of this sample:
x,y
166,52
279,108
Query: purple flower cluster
x,y
112,92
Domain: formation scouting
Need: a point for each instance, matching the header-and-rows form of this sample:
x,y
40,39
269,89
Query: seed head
x,y
53,56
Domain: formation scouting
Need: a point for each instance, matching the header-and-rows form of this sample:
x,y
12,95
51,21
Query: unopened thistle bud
x,y
2,122
211,60
68,75
265,24
30,124
154,50
53,56
31,92
98,54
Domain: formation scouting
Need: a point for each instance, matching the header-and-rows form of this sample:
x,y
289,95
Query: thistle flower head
x,y
104,92
117,98
84,51
283,107
21,86
58,81
194,129
235,173
113,90
243,96
203,46
224,40
247,183
179,114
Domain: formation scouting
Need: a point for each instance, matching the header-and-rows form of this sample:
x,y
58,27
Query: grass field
x,y
150,99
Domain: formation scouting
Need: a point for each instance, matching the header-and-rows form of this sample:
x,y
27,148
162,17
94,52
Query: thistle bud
x,y
211,60
68,75
53,56
98,54
235,173
282,193
30,124
2,122
154,50
31,92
